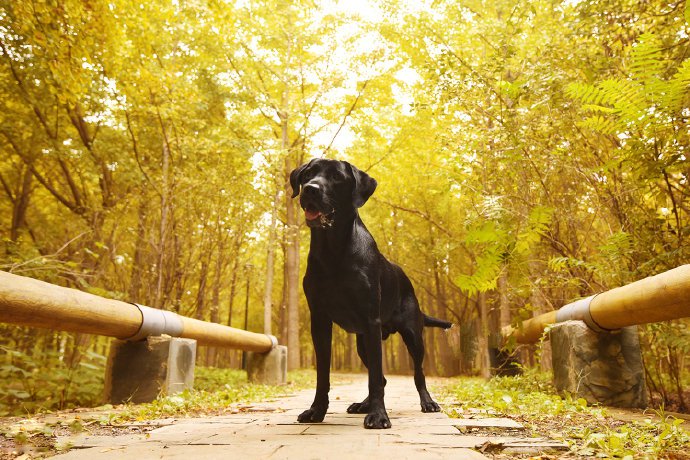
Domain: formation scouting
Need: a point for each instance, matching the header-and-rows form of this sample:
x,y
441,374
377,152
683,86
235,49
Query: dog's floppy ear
x,y
295,179
364,186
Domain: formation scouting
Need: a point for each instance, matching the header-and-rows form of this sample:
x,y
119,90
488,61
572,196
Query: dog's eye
x,y
337,176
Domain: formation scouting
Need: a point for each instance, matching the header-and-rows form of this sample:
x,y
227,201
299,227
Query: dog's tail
x,y
430,321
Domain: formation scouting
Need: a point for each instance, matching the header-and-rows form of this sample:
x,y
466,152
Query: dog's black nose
x,y
310,189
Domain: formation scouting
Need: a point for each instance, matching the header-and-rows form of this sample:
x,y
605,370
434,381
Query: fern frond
x,y
560,264
485,233
617,245
627,96
646,58
599,108
583,92
486,271
537,226
677,88
604,125
624,97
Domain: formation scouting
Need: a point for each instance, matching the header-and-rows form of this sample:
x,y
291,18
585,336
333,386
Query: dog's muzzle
x,y
311,202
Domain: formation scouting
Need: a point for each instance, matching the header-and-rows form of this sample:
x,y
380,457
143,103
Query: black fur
x,y
350,283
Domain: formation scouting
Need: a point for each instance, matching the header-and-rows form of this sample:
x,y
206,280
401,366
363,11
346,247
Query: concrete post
x,y
601,367
268,368
140,371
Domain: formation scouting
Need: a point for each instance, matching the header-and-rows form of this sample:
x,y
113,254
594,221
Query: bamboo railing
x,y
662,297
29,302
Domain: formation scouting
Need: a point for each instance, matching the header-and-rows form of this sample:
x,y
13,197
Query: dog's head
x,y
329,188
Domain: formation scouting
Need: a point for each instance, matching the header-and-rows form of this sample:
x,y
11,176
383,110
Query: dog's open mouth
x,y
316,217
312,214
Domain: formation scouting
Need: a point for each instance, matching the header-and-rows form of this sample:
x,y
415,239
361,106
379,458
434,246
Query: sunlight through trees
x,y
527,153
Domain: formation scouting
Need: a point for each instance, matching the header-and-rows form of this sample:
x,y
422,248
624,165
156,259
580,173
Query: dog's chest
x,y
348,317
341,298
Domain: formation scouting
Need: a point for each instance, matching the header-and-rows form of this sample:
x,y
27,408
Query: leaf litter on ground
x,y
587,430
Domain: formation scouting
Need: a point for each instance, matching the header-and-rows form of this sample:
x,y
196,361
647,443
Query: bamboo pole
x,y
658,298
206,333
29,302
662,297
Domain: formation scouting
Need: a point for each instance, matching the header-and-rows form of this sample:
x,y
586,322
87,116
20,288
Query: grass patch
x,y
588,430
214,391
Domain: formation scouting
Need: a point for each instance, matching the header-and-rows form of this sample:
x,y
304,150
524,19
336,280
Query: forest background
x,y
528,153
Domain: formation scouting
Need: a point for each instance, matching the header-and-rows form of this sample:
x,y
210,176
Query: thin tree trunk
x,y
211,352
163,229
483,336
20,204
445,354
283,304
270,265
540,305
138,260
200,311
292,263
503,304
233,289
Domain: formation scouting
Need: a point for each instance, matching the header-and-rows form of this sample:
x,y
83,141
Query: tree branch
x,y
347,115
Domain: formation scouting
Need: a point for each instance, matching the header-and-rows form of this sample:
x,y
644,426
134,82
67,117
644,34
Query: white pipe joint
x,y
156,322
579,310
274,341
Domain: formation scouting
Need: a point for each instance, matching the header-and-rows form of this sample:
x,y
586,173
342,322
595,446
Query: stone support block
x,y
601,367
268,368
140,371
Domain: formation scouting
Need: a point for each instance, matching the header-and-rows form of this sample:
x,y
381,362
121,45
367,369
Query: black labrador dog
x,y
350,283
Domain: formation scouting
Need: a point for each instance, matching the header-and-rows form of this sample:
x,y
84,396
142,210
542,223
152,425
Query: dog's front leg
x,y
321,334
377,417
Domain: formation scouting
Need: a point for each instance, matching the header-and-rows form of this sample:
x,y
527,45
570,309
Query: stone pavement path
x,y
270,431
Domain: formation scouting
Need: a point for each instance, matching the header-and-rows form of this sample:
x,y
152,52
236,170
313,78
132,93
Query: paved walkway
x,y
270,430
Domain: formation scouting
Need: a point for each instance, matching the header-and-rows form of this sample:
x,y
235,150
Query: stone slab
x,y
486,423
364,452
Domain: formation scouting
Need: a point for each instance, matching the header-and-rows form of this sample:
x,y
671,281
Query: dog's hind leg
x,y
415,345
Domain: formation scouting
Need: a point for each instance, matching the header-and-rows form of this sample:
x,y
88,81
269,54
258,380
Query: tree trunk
x,y
483,336
270,263
540,305
217,280
292,265
446,366
200,311
283,305
20,204
211,352
138,260
503,303
233,289
163,228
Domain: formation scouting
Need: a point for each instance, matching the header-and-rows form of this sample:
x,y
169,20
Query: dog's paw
x,y
359,408
312,415
377,420
430,406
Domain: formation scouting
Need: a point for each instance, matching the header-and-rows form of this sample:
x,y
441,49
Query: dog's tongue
x,y
311,215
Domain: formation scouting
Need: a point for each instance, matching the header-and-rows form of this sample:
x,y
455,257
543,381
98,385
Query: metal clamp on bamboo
x,y
662,297
29,302
156,322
